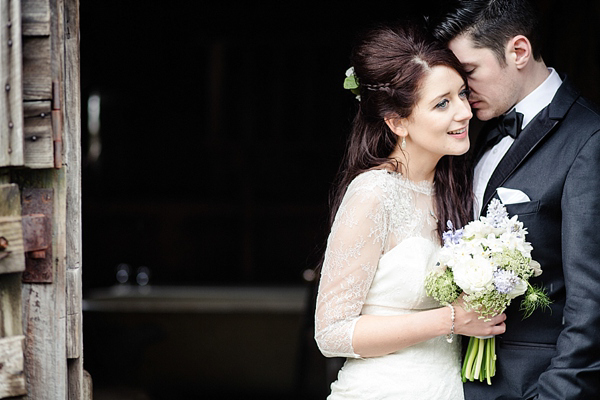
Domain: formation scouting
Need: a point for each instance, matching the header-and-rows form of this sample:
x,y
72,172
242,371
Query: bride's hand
x,y
470,323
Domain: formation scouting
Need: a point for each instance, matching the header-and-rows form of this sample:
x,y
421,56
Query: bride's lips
x,y
459,133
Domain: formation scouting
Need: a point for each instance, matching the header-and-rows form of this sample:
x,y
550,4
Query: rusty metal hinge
x,y
57,125
37,209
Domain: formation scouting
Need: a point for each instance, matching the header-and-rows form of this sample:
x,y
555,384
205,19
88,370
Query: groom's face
x,y
494,87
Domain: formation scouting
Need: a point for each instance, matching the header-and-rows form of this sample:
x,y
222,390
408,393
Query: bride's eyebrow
x,y
435,100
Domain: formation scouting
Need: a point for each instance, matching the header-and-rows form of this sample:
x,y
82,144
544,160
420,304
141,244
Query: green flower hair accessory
x,y
351,83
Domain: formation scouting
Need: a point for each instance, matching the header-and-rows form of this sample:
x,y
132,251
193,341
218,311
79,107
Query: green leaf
x,y
350,82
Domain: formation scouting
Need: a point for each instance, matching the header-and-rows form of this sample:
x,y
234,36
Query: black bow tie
x,y
507,125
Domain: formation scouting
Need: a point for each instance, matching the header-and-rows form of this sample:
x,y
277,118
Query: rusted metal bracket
x,y
57,126
3,246
37,208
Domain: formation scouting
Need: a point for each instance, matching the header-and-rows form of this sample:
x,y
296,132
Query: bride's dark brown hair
x,y
390,63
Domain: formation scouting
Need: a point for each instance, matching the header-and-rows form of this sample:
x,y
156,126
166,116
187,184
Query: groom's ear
x,y
519,51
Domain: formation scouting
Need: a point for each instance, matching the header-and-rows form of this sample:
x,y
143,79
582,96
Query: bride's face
x,y
439,122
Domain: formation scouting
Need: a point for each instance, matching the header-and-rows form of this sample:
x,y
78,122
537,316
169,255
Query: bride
x,y
401,180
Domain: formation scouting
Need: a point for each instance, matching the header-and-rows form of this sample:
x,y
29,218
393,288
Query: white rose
x,y
519,289
474,275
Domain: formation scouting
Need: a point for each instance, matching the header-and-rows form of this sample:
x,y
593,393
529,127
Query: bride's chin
x,y
460,150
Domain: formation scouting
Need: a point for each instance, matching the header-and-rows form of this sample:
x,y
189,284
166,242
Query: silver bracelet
x,y
450,336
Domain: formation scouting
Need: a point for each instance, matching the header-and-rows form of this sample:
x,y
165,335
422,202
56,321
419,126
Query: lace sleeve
x,y
354,247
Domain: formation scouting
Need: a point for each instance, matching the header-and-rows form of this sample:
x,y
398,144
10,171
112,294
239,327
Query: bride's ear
x,y
397,125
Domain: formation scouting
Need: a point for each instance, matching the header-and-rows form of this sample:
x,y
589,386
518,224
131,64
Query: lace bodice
x,y
382,242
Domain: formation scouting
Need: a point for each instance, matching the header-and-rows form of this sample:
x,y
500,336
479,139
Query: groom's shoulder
x,y
589,107
585,115
576,108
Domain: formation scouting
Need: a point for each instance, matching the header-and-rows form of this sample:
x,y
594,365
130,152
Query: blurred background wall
x,y
211,134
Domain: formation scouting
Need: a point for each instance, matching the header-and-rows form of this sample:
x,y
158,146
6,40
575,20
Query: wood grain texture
x,y
12,380
36,17
39,147
11,94
37,67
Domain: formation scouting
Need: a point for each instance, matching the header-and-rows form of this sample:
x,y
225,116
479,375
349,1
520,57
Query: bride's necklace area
x,y
432,215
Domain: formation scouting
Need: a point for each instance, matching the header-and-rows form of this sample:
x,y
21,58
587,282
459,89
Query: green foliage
x,y
513,260
441,286
535,297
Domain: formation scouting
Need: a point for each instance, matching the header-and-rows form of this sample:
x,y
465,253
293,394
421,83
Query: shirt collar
x,y
535,101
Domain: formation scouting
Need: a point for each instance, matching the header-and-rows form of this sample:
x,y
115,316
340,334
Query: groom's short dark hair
x,y
490,24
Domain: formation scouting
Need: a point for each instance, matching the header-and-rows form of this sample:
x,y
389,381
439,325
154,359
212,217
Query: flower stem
x,y
478,362
467,371
489,360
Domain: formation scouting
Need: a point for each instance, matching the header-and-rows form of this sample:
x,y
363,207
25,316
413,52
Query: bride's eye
x,y
465,93
442,104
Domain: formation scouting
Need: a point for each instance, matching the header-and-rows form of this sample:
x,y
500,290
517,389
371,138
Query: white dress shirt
x,y
530,106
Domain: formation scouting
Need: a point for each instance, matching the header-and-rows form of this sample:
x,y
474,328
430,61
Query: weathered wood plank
x,y
36,17
39,141
79,381
11,94
87,387
10,200
12,259
12,379
10,305
74,316
44,329
44,305
37,68
72,132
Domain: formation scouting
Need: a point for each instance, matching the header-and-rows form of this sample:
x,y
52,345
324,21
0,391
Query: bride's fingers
x,y
498,319
499,329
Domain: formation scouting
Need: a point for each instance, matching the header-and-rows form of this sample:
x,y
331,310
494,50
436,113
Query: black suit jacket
x,y
556,162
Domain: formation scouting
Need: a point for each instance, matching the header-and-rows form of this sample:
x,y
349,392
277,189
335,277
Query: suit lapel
x,y
520,149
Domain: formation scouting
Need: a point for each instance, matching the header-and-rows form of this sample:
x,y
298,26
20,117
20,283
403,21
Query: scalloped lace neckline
x,y
424,187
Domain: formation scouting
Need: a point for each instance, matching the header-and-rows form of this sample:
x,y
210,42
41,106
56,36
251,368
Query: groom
x,y
547,171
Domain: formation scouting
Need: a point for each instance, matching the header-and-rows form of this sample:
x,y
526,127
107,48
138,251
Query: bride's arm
x,y
380,335
353,249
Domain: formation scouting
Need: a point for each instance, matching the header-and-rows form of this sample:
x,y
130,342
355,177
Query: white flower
x,y
513,241
537,268
350,71
519,289
459,253
495,244
516,226
477,229
474,274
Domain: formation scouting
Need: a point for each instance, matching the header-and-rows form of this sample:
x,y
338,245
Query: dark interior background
x,y
223,124
222,127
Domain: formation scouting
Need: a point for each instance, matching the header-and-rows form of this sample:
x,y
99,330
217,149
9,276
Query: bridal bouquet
x,y
490,261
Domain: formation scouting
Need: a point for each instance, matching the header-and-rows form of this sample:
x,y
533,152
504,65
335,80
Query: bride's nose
x,y
464,112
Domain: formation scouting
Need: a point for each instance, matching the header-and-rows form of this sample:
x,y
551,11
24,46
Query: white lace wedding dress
x,y
381,246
